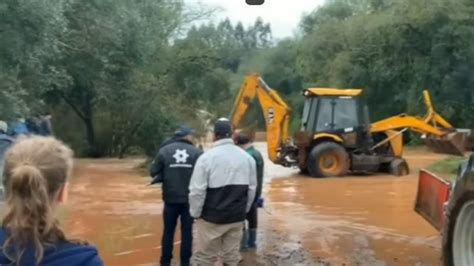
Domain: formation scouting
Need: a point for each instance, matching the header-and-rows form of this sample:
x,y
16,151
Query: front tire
x,y
328,159
399,167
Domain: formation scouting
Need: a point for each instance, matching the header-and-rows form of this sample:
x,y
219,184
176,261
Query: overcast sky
x,y
284,15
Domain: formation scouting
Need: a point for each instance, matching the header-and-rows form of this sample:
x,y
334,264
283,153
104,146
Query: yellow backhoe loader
x,y
336,136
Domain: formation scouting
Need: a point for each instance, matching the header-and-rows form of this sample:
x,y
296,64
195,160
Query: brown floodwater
x,y
363,220
112,207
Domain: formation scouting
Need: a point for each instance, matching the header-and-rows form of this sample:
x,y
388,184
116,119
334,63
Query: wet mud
x,y
362,220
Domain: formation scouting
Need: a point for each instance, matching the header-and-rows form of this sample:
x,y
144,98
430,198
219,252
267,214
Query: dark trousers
x,y
171,213
252,217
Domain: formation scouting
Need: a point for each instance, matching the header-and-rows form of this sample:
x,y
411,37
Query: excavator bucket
x,y
433,193
455,143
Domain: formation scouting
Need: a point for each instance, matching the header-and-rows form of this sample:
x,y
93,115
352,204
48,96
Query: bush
x,y
447,166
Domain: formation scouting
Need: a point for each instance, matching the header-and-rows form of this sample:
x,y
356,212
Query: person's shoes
x,y
252,239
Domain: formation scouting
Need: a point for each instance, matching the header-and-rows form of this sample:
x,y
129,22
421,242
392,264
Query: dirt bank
x,y
353,221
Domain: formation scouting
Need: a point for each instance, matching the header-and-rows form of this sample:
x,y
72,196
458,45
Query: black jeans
x,y
171,213
252,217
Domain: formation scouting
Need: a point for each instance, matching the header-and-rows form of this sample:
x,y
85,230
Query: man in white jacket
x,y
222,190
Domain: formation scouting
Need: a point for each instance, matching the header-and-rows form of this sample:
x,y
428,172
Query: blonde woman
x,y
36,176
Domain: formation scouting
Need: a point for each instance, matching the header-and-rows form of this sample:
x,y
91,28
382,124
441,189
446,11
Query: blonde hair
x,y
36,170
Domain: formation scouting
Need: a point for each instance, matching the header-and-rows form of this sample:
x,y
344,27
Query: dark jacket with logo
x,y
60,254
173,166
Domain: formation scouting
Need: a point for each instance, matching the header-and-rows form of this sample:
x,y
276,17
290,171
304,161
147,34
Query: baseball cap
x,y
223,128
183,131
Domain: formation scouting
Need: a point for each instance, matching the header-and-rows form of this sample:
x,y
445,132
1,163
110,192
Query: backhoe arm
x,y
432,116
439,134
275,111
432,124
405,121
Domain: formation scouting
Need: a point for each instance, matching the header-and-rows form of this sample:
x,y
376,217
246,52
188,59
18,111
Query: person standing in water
x,y
244,141
173,167
222,191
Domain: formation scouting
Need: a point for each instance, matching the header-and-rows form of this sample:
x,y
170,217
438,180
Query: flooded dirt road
x,y
365,220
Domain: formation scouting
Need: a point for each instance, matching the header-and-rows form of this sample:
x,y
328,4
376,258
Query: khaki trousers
x,y
217,240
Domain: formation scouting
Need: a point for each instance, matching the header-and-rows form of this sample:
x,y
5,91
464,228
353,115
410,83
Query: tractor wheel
x,y
458,231
399,167
328,159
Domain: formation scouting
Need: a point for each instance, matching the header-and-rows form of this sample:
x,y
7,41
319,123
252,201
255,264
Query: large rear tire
x,y
458,231
328,159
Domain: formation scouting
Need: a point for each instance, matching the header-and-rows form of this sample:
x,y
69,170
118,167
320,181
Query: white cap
x,y
3,126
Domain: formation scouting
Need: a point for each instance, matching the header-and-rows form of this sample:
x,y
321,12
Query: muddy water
x,y
353,221
365,220
112,207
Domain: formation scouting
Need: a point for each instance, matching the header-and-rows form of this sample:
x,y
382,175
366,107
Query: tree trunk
x,y
122,150
83,108
92,150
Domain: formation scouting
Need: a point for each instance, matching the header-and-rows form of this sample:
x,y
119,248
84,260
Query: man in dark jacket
x,y
244,140
173,166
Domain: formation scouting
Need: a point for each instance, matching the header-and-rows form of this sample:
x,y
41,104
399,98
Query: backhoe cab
x,y
336,135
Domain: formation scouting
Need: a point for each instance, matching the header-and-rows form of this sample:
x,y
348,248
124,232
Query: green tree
x,y
113,54
278,67
29,39
394,50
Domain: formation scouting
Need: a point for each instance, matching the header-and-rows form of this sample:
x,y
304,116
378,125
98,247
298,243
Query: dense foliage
x,y
394,50
119,76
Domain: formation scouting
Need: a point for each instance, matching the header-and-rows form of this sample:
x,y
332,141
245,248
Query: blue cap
x,y
183,131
